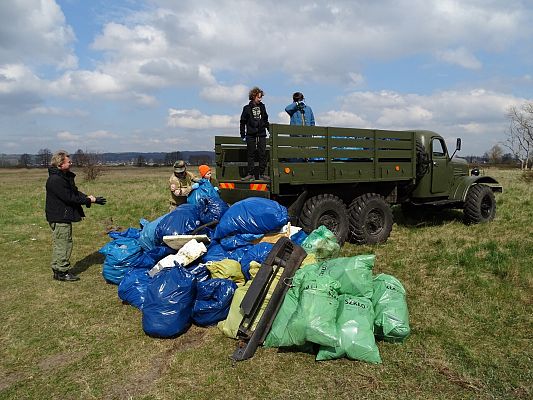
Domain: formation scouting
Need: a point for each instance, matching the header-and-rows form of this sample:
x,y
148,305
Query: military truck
x,y
347,179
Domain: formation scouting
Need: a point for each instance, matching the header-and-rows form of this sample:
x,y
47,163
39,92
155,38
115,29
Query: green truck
x,y
347,179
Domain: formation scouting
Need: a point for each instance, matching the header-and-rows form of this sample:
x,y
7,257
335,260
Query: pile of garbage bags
x,y
334,307
194,284
339,309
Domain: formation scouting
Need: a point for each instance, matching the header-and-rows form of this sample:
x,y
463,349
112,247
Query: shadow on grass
x,y
92,259
426,216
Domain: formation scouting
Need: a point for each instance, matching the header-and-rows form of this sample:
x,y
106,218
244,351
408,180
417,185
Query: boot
x,y
65,276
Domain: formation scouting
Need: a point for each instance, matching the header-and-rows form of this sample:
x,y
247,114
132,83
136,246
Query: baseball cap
x,y
179,166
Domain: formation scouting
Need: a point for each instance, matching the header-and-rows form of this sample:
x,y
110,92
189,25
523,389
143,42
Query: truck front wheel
x,y
370,219
480,205
327,210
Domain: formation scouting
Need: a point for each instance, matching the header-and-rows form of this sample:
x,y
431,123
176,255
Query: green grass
x,y
469,294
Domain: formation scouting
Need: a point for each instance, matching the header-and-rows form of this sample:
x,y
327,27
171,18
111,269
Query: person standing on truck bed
x,y
180,184
300,113
254,123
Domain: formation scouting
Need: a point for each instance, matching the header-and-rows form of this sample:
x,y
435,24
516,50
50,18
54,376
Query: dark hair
x,y
297,96
254,92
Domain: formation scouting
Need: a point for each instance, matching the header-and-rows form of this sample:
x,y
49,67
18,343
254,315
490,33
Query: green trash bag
x,y
353,273
391,322
356,338
322,243
314,318
279,335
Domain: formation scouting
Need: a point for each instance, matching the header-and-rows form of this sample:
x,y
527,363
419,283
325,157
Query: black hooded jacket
x,y
63,200
254,120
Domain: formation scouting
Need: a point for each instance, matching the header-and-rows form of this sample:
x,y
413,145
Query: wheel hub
x,y
374,222
330,221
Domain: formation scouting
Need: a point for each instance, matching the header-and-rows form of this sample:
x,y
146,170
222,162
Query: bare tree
x,y
90,162
520,133
141,161
494,155
25,160
44,156
79,158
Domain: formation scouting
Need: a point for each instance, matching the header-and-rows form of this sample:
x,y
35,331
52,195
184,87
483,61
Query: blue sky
x,y
164,75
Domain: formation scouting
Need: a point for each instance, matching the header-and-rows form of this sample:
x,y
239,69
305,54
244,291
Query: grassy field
x,y
469,294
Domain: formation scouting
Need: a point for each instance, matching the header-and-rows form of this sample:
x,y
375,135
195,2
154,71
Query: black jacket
x,y
254,120
63,200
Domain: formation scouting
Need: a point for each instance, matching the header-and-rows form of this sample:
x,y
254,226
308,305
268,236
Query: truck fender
x,y
295,208
460,189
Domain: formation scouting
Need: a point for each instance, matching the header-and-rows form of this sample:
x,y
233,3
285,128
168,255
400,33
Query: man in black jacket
x,y
254,123
64,206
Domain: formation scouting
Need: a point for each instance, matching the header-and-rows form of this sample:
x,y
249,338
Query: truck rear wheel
x,y
327,210
370,219
480,205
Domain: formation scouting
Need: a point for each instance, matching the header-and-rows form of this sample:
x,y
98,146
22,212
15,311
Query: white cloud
x,y
35,32
102,135
18,77
67,136
404,116
283,118
340,118
225,94
58,111
461,57
194,119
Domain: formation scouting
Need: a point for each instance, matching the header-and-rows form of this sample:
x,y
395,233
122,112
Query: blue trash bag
x,y
204,189
252,215
147,236
213,301
200,272
149,258
216,252
120,255
134,233
182,221
132,289
212,209
169,303
259,253
235,241
299,237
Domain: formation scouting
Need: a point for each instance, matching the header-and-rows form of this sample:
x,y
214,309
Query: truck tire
x,y
327,210
370,219
480,205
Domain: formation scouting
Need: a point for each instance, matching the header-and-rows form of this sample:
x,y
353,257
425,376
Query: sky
x,y
165,75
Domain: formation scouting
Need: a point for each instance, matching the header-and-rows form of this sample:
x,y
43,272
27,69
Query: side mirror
x,y
457,147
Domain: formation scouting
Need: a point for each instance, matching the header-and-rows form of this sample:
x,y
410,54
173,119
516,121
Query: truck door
x,y
439,166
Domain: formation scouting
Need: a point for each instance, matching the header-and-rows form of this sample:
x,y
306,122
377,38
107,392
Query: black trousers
x,y
256,144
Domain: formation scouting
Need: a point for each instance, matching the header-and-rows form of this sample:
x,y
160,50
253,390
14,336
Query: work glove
x,y
216,188
100,200
195,185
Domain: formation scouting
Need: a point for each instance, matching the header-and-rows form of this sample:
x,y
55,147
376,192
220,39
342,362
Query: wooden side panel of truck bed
x,y
323,155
